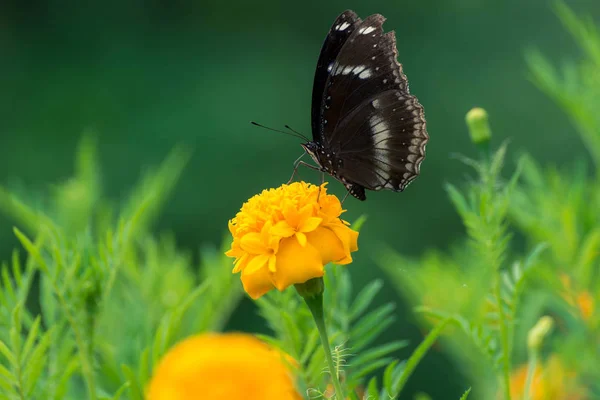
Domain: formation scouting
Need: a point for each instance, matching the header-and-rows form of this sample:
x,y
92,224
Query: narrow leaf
x,y
420,352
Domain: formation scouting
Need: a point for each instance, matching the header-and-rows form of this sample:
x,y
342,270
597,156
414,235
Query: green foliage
x,y
490,288
112,298
352,331
577,91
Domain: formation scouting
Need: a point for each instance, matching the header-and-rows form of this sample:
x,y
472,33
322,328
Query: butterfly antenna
x,y
297,133
294,134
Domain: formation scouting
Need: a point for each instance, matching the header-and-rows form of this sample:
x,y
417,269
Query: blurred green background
x,y
144,76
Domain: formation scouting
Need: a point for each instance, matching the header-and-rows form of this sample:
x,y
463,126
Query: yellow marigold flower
x,y
585,302
582,300
222,367
286,235
552,380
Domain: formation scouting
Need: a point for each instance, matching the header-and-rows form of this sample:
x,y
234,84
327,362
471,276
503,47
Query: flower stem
x,y
505,340
315,305
533,359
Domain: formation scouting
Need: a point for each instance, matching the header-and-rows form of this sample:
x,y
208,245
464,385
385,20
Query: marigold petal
x,y
272,263
258,283
296,264
240,263
291,214
328,244
305,213
223,366
301,238
283,229
231,253
252,243
310,224
349,240
256,263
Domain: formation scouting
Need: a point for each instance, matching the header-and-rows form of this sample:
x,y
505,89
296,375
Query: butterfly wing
x,y
343,27
384,141
370,121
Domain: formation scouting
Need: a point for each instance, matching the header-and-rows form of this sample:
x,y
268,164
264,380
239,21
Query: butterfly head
x,y
324,158
312,149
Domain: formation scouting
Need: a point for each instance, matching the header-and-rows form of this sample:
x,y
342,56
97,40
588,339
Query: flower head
x,y
222,366
552,380
286,235
582,300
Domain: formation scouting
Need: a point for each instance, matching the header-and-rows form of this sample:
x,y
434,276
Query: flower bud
x,y
537,334
479,128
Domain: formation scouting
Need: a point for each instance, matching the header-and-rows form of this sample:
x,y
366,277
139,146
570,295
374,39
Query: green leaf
x,y
370,326
372,392
364,370
15,331
391,376
5,351
365,298
310,346
37,361
7,386
466,394
420,352
25,215
32,336
360,221
6,374
32,250
120,391
135,391
457,199
376,353
63,382
8,287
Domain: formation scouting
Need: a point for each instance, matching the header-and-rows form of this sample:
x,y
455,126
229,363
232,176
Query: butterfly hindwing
x,y
384,141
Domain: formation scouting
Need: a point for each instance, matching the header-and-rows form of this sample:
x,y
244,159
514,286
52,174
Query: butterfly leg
x,y
322,181
297,164
345,197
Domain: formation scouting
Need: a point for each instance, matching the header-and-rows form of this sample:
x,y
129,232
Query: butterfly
x,y
368,131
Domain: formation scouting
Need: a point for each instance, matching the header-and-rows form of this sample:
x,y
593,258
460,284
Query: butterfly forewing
x,y
366,65
339,33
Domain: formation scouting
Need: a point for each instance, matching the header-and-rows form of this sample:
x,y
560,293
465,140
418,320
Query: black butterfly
x,y
368,131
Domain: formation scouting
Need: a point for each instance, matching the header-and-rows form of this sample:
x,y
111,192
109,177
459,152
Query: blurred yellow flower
x,y
552,380
582,300
286,235
223,366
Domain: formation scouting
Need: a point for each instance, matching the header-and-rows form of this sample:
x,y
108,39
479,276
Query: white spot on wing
x,y
380,134
365,74
366,30
342,27
352,69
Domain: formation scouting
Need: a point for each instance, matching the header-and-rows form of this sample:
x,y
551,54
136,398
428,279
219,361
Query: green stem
x,y
533,360
420,352
87,369
505,340
315,305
